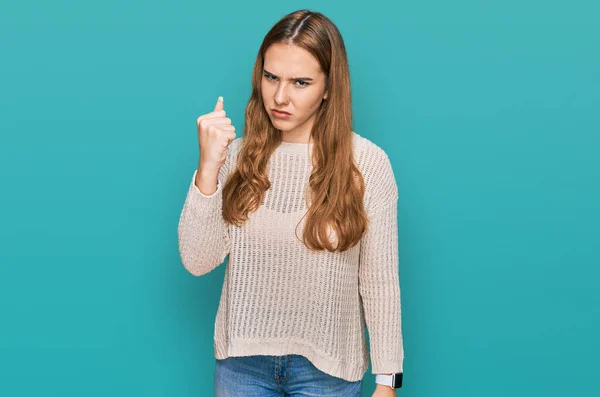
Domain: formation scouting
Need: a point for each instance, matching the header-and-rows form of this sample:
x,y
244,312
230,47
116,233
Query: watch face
x,y
397,380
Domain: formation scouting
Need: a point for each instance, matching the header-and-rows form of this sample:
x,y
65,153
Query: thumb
x,y
219,105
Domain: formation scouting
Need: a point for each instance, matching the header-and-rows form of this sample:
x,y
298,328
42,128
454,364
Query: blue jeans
x,y
287,375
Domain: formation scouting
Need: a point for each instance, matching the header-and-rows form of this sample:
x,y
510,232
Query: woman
x,y
306,210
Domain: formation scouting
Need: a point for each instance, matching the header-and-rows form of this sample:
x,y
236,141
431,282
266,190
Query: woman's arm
x,y
203,234
379,282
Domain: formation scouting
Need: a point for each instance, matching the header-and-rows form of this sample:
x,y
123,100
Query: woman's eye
x,y
304,83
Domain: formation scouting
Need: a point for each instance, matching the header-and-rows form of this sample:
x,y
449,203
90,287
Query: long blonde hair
x,y
336,184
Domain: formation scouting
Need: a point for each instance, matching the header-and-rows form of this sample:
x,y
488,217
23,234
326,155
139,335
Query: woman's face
x,y
292,82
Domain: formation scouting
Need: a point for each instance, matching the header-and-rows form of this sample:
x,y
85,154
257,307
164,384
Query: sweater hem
x,y
322,361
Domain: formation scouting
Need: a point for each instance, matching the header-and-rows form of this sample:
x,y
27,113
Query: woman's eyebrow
x,y
291,79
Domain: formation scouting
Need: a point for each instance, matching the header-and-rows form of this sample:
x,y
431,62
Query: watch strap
x,y
394,380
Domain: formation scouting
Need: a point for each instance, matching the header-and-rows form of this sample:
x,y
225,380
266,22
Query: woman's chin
x,y
281,125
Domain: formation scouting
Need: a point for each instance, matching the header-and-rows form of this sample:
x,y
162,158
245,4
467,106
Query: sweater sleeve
x,y
203,234
379,282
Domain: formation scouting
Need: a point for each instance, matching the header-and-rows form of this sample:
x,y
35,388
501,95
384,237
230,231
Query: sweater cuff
x,y
387,367
203,205
194,188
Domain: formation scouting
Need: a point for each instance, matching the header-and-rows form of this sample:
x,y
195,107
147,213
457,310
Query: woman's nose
x,y
281,97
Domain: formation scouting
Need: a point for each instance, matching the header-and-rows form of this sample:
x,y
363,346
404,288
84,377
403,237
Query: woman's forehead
x,y
290,60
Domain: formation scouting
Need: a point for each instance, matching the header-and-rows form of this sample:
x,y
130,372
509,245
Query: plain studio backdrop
x,y
489,112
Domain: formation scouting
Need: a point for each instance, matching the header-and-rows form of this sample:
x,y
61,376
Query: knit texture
x,y
278,297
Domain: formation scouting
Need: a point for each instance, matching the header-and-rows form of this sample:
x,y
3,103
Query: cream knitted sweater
x,y
280,298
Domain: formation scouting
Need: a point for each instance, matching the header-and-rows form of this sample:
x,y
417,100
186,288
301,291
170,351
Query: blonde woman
x,y
306,210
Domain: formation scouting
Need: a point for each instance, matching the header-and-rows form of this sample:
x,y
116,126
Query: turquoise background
x,y
488,110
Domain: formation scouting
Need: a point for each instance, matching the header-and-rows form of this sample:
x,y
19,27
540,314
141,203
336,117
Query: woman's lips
x,y
280,115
